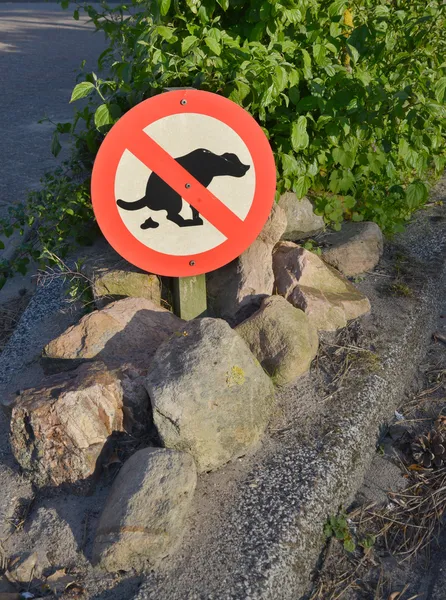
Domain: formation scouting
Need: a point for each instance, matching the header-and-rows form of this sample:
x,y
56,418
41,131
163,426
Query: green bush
x,y
355,114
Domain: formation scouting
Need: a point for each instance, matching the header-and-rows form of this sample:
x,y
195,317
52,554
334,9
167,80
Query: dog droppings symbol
x,y
202,164
183,183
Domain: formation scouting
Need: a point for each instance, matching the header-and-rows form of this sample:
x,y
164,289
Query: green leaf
x,y
382,11
224,4
280,78
2,245
289,164
337,8
416,194
299,135
353,53
349,544
76,15
302,186
193,5
81,90
213,45
55,144
440,90
102,116
164,7
319,54
187,43
307,65
166,33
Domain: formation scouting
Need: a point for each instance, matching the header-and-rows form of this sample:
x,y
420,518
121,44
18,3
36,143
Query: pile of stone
x,y
206,386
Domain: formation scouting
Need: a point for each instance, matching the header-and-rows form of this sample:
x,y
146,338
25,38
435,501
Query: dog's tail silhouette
x,y
132,205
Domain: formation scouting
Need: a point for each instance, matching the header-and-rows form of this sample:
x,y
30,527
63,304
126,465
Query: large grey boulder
x,y
144,517
127,331
282,338
356,248
59,430
236,290
301,221
328,299
210,396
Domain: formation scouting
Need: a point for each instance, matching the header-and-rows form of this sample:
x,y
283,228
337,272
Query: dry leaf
x,y
9,596
59,581
394,595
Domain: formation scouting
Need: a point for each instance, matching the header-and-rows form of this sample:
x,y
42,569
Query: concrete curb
x,y
257,534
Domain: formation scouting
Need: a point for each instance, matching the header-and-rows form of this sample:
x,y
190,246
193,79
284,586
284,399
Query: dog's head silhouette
x,y
214,164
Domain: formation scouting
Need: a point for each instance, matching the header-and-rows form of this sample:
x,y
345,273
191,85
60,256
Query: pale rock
x,y
302,222
112,278
144,516
328,299
125,332
356,248
236,290
210,396
59,430
282,338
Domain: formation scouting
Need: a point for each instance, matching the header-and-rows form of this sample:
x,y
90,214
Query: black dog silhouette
x,y
202,164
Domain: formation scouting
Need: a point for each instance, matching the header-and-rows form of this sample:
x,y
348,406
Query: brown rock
x,y
328,299
58,431
236,290
126,332
143,519
356,248
282,339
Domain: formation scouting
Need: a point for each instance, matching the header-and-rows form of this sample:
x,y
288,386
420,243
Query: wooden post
x,y
189,297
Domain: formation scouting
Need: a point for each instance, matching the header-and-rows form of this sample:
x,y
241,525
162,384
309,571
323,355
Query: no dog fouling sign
x,y
183,183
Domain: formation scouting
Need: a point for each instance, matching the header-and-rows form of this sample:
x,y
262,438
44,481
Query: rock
x,y
282,338
302,222
210,396
27,568
113,278
127,331
356,248
58,431
143,519
328,299
236,290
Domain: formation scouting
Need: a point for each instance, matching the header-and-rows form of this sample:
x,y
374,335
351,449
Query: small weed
x,y
337,526
401,289
312,246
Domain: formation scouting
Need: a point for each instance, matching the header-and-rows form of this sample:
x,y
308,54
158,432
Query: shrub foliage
x,y
350,94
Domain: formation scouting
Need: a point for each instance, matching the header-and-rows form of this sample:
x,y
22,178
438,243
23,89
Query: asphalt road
x,y
41,48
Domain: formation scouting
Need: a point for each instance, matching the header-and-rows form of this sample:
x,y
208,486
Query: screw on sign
x,y
183,183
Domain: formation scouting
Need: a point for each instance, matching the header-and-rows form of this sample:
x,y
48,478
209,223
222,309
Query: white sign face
x,y
203,145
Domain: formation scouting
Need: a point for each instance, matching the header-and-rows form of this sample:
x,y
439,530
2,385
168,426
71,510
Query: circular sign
x,y
183,183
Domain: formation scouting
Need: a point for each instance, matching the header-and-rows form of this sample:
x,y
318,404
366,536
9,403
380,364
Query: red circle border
x,y
112,148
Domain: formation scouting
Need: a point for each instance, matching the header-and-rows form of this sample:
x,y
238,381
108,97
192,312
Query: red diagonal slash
x,y
198,196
